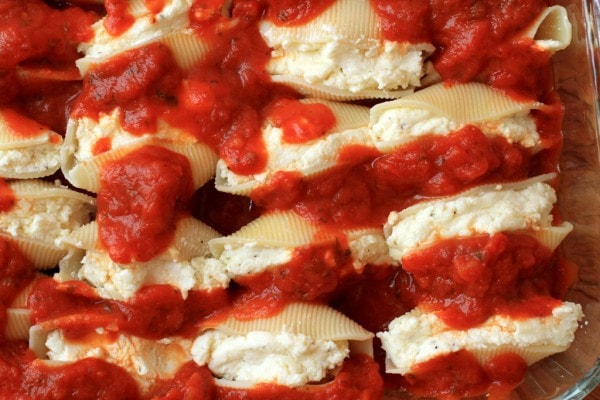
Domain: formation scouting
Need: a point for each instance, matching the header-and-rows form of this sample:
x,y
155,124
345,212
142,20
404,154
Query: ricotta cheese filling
x,y
146,360
146,28
406,124
252,257
308,158
348,64
47,219
265,357
485,212
419,336
84,133
40,159
120,282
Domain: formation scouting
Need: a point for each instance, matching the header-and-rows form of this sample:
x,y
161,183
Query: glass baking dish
x,y
575,373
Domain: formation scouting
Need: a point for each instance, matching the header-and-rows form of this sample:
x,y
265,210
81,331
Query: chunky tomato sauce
x,y
367,185
223,101
38,48
141,197
154,312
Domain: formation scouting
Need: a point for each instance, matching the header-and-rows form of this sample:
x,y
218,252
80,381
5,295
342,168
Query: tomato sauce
x,y
17,273
467,280
314,273
367,185
141,197
154,312
295,13
459,375
88,379
37,58
301,122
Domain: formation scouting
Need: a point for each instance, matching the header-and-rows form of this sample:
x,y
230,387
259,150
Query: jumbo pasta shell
x,y
329,93
314,320
41,254
27,149
553,236
17,324
85,237
465,103
192,238
348,19
20,301
39,189
518,185
279,229
186,46
85,174
530,354
347,116
552,30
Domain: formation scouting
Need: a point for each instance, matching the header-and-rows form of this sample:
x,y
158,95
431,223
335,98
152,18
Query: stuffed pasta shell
x,y
42,214
524,206
420,336
303,136
302,344
441,109
27,148
277,239
340,55
185,264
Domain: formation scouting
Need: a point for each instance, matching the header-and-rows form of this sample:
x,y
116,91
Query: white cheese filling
x,y
346,64
481,213
84,133
264,357
417,336
146,360
145,29
120,282
406,124
40,158
251,258
46,219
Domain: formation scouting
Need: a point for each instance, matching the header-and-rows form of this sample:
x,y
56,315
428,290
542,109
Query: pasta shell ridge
x,y
552,29
347,19
328,93
280,229
43,255
466,103
314,320
17,324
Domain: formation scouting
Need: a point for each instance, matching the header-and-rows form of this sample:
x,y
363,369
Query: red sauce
x,y
301,122
7,197
480,40
315,273
140,199
154,312
21,126
87,379
102,145
459,375
404,20
467,280
118,19
17,273
367,185
295,13
29,41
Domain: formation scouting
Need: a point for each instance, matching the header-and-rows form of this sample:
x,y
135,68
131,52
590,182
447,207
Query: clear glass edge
x,y
591,17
